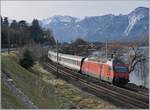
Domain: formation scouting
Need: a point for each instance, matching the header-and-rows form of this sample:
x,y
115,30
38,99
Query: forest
x,y
19,33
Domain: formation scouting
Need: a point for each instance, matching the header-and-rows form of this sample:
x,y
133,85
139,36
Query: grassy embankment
x,y
45,90
41,93
9,100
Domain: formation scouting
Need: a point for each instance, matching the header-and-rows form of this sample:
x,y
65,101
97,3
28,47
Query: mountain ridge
x,y
100,28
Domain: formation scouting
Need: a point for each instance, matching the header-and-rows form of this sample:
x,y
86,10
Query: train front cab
x,y
121,74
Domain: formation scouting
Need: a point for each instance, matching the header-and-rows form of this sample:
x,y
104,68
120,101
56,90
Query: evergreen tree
x,y
20,33
5,22
36,31
24,37
14,24
1,20
5,30
27,60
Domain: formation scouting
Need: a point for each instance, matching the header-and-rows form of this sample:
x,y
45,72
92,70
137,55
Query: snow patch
x,y
132,21
66,19
48,21
78,20
78,26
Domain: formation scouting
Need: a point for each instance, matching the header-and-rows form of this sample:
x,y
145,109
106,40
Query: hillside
x,y
9,100
43,89
100,28
38,91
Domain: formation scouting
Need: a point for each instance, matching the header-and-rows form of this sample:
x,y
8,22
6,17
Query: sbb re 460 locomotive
x,y
113,71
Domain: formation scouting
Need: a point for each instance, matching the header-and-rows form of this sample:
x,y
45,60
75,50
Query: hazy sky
x,y
29,10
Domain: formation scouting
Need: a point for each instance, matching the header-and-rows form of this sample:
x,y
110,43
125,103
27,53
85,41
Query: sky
x,y
28,10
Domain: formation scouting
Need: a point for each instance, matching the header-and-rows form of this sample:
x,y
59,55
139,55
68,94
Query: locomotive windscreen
x,y
120,69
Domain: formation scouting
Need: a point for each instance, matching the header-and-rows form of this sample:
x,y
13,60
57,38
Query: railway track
x,y
136,94
138,89
139,95
117,95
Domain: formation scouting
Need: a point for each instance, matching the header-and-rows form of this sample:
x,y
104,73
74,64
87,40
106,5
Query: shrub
x,y
27,60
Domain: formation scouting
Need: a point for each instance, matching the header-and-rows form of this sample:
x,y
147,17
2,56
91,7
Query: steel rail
x,y
124,91
123,99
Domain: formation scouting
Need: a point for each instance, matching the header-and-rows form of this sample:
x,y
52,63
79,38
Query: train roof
x,y
67,55
99,60
109,60
71,56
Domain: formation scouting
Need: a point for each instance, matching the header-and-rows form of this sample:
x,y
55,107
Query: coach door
x,y
105,74
100,71
109,74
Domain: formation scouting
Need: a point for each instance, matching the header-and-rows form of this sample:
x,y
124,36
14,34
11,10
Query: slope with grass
x,y
44,90
9,100
39,92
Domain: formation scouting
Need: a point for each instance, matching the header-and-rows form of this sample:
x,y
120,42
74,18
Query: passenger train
x,y
113,71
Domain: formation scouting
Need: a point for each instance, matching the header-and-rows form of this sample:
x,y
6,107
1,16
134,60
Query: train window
x,y
71,61
77,62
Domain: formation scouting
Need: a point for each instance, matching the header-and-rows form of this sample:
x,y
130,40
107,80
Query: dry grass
x,y
41,93
73,94
46,91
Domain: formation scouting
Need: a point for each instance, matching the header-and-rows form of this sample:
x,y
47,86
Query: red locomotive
x,y
113,71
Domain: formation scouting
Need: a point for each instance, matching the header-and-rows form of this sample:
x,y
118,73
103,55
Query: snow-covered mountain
x,y
99,28
58,18
138,17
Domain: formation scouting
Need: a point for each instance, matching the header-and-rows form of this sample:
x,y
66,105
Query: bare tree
x,y
134,57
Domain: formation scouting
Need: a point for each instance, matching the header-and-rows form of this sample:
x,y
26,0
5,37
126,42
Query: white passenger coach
x,y
70,61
